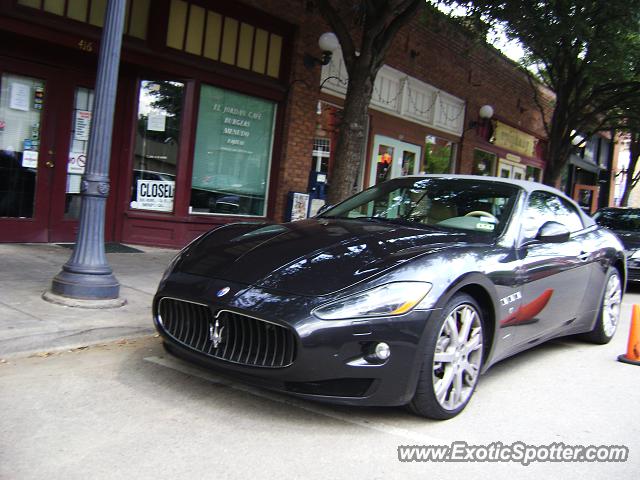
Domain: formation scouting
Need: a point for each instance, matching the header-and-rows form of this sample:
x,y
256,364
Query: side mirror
x,y
553,232
323,209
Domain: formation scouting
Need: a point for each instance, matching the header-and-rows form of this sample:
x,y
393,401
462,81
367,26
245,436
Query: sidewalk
x,y
29,324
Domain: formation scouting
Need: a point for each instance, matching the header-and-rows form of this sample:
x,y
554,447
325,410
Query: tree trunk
x,y
631,180
352,135
558,149
557,155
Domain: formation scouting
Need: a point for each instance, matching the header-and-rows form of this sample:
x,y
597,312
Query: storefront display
x,y
232,153
160,105
439,155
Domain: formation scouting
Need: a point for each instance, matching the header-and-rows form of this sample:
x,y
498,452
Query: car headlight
x,y
635,254
386,300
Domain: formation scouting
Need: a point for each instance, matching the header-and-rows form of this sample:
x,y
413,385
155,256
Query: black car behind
x,y
625,223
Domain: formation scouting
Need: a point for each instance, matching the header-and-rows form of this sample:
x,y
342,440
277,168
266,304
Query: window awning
x,y
584,164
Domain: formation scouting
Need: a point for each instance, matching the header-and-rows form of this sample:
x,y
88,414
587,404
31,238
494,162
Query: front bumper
x,y
331,362
633,269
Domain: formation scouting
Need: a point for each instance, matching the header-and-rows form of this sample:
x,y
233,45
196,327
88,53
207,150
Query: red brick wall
x,y
303,96
428,48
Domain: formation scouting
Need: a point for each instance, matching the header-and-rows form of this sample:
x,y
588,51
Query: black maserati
x,y
401,295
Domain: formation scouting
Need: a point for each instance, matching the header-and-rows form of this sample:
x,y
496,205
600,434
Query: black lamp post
x,y
87,274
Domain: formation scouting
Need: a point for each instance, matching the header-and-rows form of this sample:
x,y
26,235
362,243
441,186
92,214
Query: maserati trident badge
x,y
222,292
215,334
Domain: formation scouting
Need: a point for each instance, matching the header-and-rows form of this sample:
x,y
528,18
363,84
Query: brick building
x,y
218,118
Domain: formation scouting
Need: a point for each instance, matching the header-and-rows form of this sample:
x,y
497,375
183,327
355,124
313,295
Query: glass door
x,y
511,170
45,118
74,126
26,156
393,158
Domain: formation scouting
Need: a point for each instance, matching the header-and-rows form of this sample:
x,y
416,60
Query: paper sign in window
x,y
156,122
82,125
154,195
19,96
30,159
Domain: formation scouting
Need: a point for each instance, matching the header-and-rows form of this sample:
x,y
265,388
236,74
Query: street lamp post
x,y
87,274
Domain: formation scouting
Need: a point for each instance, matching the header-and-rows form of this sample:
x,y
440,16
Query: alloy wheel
x,y
611,305
457,357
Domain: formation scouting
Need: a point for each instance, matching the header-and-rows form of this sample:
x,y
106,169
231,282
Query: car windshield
x,y
628,219
466,204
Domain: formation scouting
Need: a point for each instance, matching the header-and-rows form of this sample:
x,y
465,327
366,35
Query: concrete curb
x,y
98,341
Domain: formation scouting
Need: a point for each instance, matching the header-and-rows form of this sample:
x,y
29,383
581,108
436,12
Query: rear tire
x,y
609,314
452,360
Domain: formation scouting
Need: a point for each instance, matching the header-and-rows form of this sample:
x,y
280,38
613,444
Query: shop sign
x,y
513,139
154,195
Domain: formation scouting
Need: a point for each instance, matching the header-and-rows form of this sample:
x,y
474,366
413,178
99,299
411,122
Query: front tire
x,y
452,360
609,314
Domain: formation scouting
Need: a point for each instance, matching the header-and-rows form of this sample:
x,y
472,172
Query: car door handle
x,y
584,256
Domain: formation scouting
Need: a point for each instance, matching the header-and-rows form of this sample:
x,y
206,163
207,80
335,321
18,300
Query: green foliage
x,y
437,159
586,51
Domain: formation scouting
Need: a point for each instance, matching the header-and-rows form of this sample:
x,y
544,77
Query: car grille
x,y
634,274
242,339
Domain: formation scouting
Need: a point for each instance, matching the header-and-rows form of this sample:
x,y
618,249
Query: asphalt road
x,y
127,410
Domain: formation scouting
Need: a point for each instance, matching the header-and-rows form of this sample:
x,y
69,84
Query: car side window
x,y
543,207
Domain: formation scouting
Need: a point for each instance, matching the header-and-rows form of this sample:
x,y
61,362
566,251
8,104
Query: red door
x,y
45,117
27,153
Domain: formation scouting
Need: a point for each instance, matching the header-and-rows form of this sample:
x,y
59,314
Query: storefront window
x,y
534,174
321,153
157,142
438,155
232,153
603,156
408,162
483,163
590,150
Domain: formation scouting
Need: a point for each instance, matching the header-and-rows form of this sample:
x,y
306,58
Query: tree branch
x,y
538,102
342,32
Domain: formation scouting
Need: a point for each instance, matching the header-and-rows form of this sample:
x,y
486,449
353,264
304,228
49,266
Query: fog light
x,y
382,351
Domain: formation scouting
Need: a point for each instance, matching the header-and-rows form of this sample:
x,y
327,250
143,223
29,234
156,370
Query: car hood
x,y
630,239
312,257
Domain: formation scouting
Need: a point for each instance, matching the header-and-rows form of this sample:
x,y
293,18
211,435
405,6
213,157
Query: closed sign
x,y
154,195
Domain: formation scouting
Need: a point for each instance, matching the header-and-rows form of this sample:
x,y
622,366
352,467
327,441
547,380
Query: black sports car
x,y
625,223
400,295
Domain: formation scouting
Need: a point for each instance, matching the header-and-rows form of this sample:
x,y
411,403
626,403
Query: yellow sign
x,y
513,139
